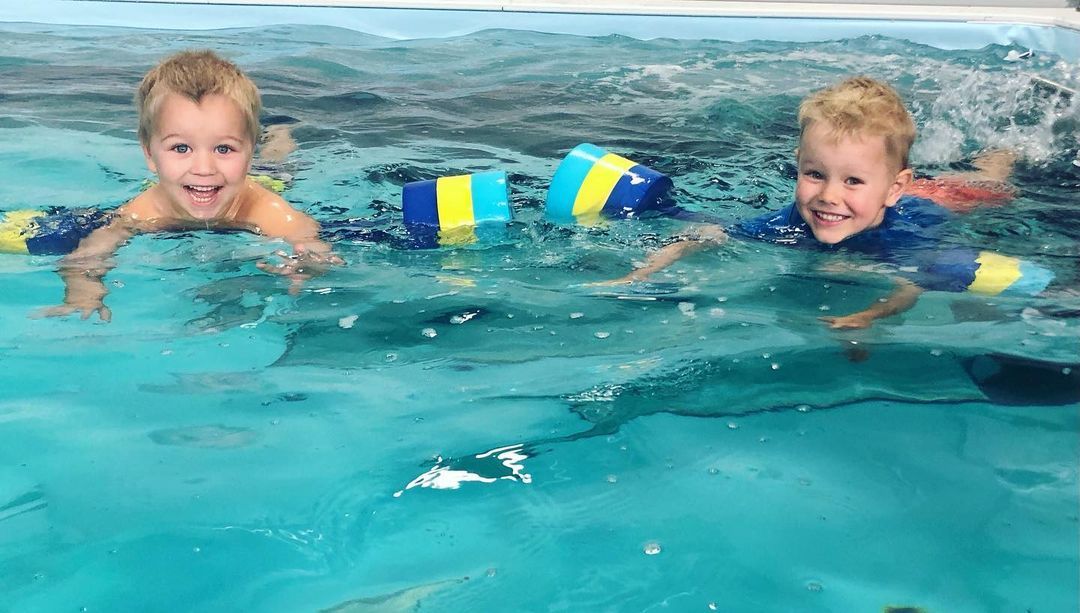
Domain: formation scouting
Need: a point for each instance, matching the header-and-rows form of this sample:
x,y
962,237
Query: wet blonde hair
x,y
194,75
862,106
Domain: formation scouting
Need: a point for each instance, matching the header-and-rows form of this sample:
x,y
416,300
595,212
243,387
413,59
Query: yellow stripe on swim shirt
x,y
455,201
15,228
598,184
995,273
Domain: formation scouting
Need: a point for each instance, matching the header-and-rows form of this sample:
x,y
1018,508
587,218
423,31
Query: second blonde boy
x,y
198,128
855,187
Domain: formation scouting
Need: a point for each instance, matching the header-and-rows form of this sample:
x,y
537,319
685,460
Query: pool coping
x,y
986,12
1050,29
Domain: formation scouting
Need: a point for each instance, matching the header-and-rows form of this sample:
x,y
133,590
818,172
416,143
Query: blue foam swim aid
x,y
985,272
53,231
454,206
1002,274
591,183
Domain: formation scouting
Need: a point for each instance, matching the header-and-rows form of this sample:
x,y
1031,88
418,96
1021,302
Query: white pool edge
x,y
972,13
1044,29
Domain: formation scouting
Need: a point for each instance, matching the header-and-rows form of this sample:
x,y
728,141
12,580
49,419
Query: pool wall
x,y
1036,26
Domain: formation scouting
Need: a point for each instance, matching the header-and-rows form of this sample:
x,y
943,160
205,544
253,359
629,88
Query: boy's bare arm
x,y
83,272
903,297
273,217
996,165
277,144
311,255
667,255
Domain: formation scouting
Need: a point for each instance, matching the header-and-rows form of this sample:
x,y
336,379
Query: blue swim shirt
x,y
909,237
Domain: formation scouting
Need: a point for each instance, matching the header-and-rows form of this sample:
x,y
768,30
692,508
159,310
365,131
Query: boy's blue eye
x,y
854,181
813,174
223,149
181,148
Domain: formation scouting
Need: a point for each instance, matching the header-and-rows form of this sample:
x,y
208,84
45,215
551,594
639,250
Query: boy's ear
x,y
149,160
899,186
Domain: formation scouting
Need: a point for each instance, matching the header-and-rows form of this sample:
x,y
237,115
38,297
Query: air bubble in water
x,y
732,425
935,352
429,332
577,315
602,335
611,479
652,548
814,586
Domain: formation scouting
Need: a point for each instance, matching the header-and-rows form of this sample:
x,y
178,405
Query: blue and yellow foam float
x,y
52,231
591,184
983,272
450,210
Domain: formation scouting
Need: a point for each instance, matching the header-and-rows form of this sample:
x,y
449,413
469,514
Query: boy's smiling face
x,y
846,183
201,153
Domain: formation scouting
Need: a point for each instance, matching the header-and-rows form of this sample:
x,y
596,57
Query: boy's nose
x,y
831,192
203,163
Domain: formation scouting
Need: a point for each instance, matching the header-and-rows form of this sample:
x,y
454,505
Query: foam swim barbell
x,y
590,184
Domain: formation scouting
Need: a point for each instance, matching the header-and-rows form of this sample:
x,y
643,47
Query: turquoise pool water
x,y
473,429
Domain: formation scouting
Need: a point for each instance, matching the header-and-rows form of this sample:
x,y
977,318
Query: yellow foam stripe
x,y
457,237
15,228
598,184
454,201
270,183
995,273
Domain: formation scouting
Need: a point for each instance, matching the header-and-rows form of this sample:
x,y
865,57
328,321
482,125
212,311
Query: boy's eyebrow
x,y
226,137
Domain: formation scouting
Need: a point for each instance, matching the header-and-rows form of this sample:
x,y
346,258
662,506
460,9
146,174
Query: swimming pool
x,y
473,429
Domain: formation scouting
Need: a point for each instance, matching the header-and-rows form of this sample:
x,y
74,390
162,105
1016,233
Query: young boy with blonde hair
x,y
855,188
198,127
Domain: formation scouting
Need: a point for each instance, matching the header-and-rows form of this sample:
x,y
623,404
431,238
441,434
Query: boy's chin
x,y
830,238
204,213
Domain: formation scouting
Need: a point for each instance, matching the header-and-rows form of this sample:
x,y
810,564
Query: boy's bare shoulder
x,y
142,213
271,215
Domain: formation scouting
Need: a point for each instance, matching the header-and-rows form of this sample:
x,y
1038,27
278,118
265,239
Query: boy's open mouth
x,y
829,217
202,195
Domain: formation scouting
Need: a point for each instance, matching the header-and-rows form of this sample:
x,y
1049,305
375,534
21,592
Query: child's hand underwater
x,y
302,265
84,307
857,321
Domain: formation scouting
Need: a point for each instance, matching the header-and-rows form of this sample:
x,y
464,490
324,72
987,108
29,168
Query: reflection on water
x,y
503,463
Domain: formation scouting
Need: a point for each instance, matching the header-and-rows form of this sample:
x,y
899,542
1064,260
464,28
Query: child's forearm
x,y
664,257
84,279
903,297
673,252
277,144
